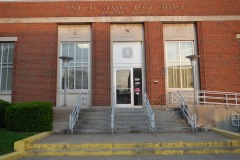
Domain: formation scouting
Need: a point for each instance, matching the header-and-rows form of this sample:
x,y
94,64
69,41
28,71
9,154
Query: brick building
x,y
120,49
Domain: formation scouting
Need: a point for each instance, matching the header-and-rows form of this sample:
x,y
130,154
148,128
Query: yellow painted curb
x,y
13,156
110,152
226,133
132,145
69,146
22,144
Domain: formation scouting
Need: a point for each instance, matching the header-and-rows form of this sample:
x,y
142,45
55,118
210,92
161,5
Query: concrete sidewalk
x,y
133,138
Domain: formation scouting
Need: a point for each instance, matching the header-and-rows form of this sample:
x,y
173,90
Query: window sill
x,y
74,91
5,92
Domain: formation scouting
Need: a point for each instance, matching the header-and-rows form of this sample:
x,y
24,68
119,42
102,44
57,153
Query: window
x,y
179,68
6,68
78,68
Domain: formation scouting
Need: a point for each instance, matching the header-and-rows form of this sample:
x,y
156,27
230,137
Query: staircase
x,y
94,120
170,120
130,120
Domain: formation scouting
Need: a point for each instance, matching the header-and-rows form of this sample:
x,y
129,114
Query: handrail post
x,y
70,123
204,93
238,120
197,99
226,99
236,99
113,112
193,123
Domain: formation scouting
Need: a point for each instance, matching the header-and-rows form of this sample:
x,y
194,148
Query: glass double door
x,y
128,87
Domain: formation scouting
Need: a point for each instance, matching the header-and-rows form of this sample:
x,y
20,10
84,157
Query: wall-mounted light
x,y
155,81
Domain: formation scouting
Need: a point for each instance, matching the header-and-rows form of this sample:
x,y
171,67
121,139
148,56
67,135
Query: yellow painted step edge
x,y
22,144
133,145
135,152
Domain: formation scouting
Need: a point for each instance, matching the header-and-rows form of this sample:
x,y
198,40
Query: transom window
x,y
78,68
6,66
178,67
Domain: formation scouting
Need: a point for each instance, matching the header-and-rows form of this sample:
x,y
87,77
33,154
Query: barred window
x,y
6,68
179,69
78,68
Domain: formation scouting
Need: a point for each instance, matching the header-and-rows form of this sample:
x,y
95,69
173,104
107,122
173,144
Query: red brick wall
x,y
101,74
35,59
36,49
155,62
120,8
220,55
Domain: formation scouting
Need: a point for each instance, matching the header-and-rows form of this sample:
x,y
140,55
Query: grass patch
x,y
7,139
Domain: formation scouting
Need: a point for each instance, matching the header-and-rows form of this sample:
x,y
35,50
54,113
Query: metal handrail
x,y
113,112
228,98
150,111
212,97
74,115
235,119
187,113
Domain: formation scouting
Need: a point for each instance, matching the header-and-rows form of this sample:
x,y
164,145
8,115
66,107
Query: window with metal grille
x,y
179,69
6,68
78,68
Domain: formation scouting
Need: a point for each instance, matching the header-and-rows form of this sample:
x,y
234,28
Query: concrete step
x,y
137,151
128,110
92,131
97,109
94,118
170,121
156,148
166,144
92,126
86,122
82,114
131,118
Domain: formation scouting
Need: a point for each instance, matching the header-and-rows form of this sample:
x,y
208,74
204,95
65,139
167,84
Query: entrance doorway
x,y
127,74
128,87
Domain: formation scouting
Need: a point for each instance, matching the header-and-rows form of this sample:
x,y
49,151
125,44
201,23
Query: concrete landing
x,y
133,138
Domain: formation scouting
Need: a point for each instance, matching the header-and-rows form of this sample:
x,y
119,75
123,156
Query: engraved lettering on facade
x,y
74,33
80,8
143,7
115,7
172,7
112,13
142,13
120,9
127,19
127,31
